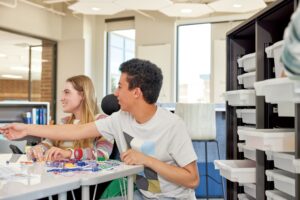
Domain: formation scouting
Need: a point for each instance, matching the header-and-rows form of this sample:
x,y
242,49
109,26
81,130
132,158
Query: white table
x,y
37,184
108,175
44,184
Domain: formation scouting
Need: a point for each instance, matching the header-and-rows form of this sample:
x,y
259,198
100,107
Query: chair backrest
x,y
200,119
110,104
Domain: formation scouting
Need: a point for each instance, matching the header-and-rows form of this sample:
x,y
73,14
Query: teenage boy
x,y
145,134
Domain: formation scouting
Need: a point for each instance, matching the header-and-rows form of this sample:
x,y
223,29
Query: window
x,y
120,48
27,69
194,63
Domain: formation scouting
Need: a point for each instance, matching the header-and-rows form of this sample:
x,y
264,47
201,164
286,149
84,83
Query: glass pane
x,y
120,47
26,69
129,45
116,40
194,63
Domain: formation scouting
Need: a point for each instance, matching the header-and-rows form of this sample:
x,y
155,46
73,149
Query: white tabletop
x,y
39,183
107,175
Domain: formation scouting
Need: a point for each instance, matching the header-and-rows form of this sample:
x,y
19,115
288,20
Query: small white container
x,y
247,62
285,161
247,79
241,147
249,153
248,115
240,97
241,171
243,196
277,195
286,109
278,90
250,189
283,181
275,52
278,140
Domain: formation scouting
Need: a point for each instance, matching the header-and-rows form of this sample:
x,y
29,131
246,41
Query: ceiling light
x,y
95,9
143,4
2,55
11,76
186,10
237,5
37,60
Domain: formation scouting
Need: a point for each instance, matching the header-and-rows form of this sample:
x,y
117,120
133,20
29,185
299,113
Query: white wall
x,y
31,20
218,60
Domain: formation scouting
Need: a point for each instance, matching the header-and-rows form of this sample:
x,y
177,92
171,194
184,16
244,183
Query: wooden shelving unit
x,y
254,35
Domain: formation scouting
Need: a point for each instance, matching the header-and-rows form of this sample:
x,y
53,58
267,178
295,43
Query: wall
x,y
218,60
159,32
31,20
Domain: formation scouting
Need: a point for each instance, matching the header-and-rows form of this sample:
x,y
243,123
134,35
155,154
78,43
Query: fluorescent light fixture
x,y
95,8
237,5
39,60
186,10
11,76
36,69
2,55
20,68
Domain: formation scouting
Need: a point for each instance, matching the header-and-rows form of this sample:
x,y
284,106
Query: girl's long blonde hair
x,y
89,109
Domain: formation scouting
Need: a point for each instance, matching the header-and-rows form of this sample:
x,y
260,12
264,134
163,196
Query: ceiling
x,y
171,8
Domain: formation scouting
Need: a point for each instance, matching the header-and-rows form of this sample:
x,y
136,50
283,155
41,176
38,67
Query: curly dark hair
x,y
145,75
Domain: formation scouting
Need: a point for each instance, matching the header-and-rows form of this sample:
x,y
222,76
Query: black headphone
x,y
109,104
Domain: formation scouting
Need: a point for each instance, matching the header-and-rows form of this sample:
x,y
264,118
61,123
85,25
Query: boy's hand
x,y
14,131
132,157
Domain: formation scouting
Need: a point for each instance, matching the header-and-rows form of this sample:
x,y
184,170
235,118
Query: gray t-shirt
x,y
163,137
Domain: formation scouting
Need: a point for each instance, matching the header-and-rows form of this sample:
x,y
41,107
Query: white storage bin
x,y
249,153
247,62
275,52
285,161
277,195
241,171
248,115
240,97
278,140
250,189
247,79
283,181
286,109
241,147
296,164
243,196
273,90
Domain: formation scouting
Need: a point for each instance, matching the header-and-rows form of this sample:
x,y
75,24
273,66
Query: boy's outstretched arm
x,y
56,132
